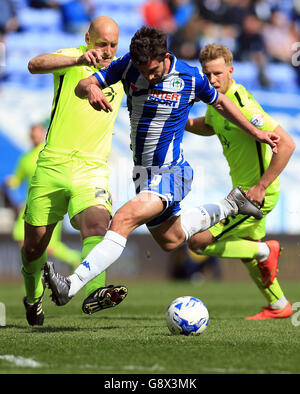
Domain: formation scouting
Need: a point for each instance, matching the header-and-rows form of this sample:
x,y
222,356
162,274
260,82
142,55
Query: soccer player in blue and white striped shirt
x,y
161,90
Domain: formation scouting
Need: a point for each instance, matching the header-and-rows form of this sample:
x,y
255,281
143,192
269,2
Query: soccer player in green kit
x,y
253,167
72,173
24,172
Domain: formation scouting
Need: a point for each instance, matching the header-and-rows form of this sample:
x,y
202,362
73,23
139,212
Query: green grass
x,y
133,338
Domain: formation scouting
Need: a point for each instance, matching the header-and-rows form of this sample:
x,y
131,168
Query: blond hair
x,y
213,51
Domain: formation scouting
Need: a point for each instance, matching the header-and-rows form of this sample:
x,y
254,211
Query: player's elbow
x,y
289,145
292,145
33,66
79,90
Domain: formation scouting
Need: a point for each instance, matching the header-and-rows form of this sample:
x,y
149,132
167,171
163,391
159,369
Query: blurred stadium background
x,y
264,36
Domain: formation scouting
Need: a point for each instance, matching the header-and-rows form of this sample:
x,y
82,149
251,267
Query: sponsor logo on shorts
x,y
169,99
103,194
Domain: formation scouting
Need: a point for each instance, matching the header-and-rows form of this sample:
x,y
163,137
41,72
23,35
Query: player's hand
x,y
269,138
97,99
91,57
256,193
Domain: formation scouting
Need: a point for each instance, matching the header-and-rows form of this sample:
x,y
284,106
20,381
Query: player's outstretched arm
x,y
90,88
199,127
286,147
51,62
231,112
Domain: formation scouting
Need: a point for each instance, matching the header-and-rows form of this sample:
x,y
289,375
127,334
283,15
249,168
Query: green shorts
x,y
66,182
19,231
245,226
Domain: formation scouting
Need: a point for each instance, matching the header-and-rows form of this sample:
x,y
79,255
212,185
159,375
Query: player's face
x,y
37,134
105,40
155,70
219,74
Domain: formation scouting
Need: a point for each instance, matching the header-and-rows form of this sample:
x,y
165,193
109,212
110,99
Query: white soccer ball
x,y
187,316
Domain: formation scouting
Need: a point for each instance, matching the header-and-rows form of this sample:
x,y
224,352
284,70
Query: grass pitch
x,y
133,338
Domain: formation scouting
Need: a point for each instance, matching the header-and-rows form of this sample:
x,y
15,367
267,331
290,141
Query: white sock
x,y
199,219
279,304
263,251
98,260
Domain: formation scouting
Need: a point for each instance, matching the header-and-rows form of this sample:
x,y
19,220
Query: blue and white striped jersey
x,y
158,113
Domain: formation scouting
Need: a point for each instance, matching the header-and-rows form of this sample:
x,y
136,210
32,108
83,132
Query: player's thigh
x,y
244,226
90,194
93,221
47,199
240,226
139,210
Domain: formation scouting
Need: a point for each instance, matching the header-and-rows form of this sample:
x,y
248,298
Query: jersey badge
x,y
177,84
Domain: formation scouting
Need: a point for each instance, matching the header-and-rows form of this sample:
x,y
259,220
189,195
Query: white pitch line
x,y
21,361
239,370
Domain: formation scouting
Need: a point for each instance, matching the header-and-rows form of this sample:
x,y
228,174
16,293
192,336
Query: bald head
x,y
103,35
103,23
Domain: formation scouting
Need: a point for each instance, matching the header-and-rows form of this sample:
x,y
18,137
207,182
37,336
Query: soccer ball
x,y
187,316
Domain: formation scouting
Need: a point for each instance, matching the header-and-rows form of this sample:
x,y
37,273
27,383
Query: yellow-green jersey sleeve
x,y
74,124
247,158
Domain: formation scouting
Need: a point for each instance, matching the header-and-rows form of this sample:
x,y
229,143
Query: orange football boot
x,y
268,268
268,313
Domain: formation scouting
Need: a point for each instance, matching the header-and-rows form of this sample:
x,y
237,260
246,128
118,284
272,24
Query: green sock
x,y
273,293
232,247
32,273
100,280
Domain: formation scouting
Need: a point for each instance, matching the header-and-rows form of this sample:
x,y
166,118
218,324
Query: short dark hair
x,y
147,44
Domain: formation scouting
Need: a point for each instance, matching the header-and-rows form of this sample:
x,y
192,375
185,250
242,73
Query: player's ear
x,y
87,38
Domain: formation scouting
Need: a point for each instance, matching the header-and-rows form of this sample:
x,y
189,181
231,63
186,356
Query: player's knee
x,y
200,241
124,221
94,229
169,245
32,251
196,245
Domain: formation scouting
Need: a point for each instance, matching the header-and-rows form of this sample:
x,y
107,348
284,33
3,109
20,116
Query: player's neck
x,y
230,83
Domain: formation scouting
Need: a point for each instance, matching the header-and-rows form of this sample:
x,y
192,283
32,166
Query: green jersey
x,y
246,157
26,167
75,125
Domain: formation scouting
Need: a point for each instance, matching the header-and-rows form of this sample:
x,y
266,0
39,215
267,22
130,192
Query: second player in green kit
x,y
254,168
